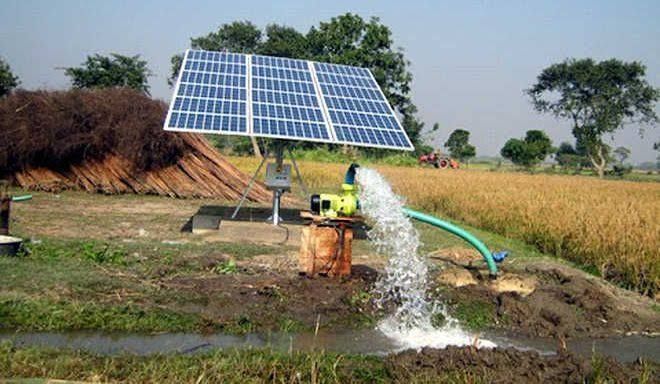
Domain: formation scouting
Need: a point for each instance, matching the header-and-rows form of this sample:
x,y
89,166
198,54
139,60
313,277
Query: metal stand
x,y
278,155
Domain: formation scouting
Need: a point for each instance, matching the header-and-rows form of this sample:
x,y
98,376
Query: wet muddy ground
x,y
514,366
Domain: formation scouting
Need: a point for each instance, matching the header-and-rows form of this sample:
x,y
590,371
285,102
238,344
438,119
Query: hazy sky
x,y
471,60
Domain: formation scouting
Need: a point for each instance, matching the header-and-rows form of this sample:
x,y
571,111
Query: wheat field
x,y
611,225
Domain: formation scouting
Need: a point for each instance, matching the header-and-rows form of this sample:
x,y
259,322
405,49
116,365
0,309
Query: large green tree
x,y
116,70
284,41
598,98
8,81
530,150
237,36
459,145
345,39
349,39
569,157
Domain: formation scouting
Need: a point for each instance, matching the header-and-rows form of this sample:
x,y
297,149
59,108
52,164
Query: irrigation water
x,y
404,283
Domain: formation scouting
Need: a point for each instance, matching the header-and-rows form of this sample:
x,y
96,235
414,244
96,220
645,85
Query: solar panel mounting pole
x,y
277,192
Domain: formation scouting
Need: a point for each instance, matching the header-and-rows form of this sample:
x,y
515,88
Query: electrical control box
x,y
278,177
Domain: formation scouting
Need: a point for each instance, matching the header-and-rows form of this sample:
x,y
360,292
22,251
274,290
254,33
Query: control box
x,y
278,177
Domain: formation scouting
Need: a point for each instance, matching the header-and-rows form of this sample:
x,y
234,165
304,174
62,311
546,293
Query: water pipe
x,y
21,198
350,174
463,234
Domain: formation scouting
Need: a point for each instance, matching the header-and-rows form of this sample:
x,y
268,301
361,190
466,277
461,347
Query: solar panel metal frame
x,y
249,115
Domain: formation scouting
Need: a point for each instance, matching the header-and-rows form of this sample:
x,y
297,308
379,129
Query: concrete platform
x,y
252,224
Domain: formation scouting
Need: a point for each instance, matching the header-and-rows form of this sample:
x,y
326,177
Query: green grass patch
x,y
92,250
43,315
228,366
226,268
289,325
475,314
324,155
240,325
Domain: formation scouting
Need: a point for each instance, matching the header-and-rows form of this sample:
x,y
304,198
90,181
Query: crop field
x,y
610,227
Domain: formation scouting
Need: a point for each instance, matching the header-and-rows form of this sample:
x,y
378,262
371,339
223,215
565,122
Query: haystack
x,y
109,141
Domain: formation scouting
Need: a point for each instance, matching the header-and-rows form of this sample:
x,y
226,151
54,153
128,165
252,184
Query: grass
x,y
73,284
231,366
28,365
43,315
606,225
475,315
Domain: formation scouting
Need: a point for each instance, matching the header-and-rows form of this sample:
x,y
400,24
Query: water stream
x,y
404,282
624,349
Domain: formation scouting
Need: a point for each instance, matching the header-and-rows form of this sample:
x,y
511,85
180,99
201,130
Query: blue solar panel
x,y
211,94
253,95
358,111
284,100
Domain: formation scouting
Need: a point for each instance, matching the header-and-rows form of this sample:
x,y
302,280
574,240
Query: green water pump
x,y
344,204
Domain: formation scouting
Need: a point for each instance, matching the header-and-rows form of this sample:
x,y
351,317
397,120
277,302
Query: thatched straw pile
x,y
109,141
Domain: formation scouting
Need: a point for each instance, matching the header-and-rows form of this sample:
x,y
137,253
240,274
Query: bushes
x,y
59,128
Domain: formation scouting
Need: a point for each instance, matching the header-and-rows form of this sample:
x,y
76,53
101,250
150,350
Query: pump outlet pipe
x,y
463,234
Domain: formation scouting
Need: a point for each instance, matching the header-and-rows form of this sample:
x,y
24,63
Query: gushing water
x,y
405,279
393,235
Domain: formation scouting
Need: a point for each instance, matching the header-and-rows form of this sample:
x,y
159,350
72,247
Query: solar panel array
x,y
275,97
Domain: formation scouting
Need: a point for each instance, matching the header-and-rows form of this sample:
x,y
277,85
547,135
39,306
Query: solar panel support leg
x,y
300,179
249,186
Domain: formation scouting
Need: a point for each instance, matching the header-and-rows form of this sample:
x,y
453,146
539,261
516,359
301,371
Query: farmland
x,y
609,226
123,264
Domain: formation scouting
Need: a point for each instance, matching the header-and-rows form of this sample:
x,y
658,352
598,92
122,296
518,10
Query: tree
x,y
8,81
238,36
622,153
529,151
427,145
459,146
111,71
569,157
599,98
349,39
284,41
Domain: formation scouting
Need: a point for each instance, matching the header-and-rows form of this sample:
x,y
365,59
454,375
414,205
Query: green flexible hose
x,y
21,198
463,234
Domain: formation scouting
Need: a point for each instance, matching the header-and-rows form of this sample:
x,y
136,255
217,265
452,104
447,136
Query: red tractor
x,y
438,161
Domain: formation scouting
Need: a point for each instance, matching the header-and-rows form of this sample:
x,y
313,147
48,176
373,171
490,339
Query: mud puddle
x,y
623,348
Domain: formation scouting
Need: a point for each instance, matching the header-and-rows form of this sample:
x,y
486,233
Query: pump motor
x,y
344,204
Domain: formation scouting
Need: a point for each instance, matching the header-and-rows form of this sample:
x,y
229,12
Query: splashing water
x,y
405,279
393,235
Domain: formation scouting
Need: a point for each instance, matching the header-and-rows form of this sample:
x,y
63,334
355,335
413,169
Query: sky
x,y
470,60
